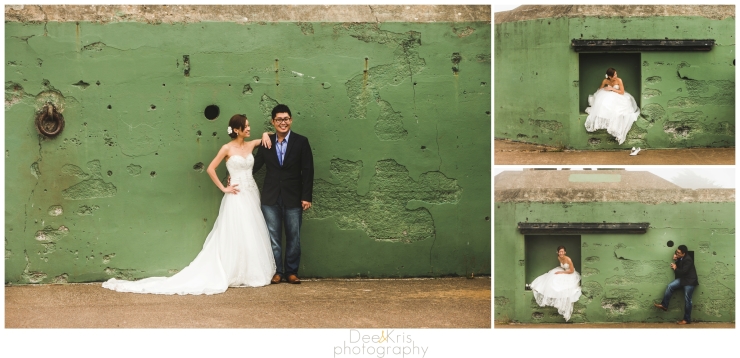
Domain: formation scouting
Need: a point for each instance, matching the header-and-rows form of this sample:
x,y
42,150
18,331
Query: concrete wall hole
x,y
211,112
186,65
669,243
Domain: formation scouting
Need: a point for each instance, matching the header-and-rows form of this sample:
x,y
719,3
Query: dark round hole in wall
x,y
212,112
109,107
153,107
423,147
153,174
488,218
670,243
215,134
110,173
199,133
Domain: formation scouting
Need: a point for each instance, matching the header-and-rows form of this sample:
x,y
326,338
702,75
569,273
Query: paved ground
x,y
498,325
360,303
514,153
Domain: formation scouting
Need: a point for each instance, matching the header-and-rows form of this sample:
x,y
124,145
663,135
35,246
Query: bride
x,y
237,252
612,108
559,287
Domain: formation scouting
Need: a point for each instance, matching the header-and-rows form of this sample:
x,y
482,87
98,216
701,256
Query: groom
x,y
686,278
286,192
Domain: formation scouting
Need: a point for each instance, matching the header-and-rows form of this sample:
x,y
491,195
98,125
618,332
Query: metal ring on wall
x,y
49,122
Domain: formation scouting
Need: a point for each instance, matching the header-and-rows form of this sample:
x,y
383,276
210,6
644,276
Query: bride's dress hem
x,y
236,253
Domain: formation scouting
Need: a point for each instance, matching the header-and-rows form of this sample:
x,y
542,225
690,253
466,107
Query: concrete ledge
x,y
532,12
645,196
155,14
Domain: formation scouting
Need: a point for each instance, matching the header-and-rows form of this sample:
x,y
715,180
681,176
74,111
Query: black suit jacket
x,y
293,182
686,271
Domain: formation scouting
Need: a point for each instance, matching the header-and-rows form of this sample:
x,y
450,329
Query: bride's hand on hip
x,y
231,189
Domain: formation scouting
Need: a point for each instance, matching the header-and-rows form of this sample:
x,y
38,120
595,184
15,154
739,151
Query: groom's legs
x,y
675,285
274,219
293,219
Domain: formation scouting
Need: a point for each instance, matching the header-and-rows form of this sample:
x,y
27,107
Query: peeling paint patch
x,y
49,234
61,279
653,80
389,125
463,32
14,94
85,210
500,301
123,274
56,210
547,125
107,258
650,93
91,187
591,290
32,276
589,271
653,112
133,169
35,170
382,212
592,259
306,28
95,46
704,93
364,88
266,106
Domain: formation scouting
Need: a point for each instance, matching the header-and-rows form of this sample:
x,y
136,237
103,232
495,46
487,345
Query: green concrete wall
x,y
687,99
622,275
394,113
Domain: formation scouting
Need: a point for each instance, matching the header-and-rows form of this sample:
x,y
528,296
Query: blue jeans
x,y
275,217
688,291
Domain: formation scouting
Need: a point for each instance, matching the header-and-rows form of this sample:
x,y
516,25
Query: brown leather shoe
x,y
683,321
276,279
660,306
294,279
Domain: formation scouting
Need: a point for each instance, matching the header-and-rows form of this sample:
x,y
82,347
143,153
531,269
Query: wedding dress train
x,y
558,290
237,251
611,111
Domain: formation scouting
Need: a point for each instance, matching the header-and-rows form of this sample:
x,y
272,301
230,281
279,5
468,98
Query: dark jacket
x,y
293,182
686,271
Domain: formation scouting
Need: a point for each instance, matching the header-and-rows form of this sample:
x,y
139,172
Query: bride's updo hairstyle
x,y
237,121
563,247
610,72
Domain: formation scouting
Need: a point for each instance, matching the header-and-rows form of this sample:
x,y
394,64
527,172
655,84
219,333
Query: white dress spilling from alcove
x,y
237,251
558,290
612,111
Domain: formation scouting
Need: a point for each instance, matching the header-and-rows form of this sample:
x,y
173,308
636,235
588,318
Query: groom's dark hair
x,y
683,248
280,108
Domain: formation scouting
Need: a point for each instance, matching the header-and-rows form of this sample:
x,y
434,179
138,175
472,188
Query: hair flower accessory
x,y
228,130
607,76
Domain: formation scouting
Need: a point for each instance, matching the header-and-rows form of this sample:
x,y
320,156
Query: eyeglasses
x,y
282,120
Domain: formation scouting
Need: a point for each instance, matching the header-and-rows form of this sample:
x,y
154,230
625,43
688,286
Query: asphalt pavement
x,y
325,303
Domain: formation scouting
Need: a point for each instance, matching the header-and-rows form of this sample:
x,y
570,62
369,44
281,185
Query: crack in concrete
x,y
372,12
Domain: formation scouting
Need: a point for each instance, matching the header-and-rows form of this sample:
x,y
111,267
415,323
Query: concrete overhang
x,y
582,228
640,45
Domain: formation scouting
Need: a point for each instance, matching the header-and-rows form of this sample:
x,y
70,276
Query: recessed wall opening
x,y
592,68
541,253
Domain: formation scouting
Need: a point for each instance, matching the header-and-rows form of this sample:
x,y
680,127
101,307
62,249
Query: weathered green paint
x,y
687,99
622,275
402,171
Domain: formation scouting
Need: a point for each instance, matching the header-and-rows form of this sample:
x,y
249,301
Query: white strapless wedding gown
x,y
237,252
612,111
558,290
